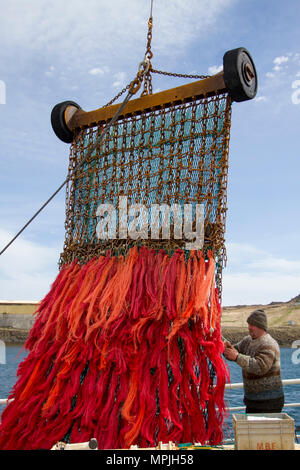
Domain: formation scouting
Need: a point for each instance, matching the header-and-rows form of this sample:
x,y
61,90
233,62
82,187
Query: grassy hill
x,y
278,313
283,320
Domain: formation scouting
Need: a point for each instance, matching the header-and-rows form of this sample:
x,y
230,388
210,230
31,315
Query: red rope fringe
x,y
122,350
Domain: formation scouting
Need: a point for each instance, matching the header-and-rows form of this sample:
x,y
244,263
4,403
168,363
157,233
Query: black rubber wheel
x,y
93,444
58,122
240,75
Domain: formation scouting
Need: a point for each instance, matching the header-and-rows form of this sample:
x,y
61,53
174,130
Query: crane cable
x,y
144,73
133,88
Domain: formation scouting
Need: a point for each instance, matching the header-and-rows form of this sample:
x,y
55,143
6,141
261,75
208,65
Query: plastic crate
x,y
268,431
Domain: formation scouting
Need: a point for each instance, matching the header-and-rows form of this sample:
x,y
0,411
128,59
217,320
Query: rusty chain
x,y
117,96
148,56
183,75
147,77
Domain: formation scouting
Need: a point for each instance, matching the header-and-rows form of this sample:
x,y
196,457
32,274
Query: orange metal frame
x,y
78,118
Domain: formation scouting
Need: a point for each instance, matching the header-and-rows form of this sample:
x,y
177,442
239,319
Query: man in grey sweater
x,y
258,355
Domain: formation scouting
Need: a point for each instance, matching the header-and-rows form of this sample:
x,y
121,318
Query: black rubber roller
x,y
93,444
239,74
59,125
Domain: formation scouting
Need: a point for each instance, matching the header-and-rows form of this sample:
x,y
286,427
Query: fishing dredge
x,y
126,347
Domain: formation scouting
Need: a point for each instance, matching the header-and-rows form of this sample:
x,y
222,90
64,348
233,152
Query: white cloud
x,y
260,98
27,269
296,94
241,252
215,69
278,65
99,71
76,31
260,288
279,80
119,80
271,264
280,60
50,71
254,276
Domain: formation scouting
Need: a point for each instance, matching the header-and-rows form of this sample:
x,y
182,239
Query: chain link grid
x,y
174,155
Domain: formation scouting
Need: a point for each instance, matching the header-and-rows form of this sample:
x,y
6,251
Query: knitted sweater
x,y
260,362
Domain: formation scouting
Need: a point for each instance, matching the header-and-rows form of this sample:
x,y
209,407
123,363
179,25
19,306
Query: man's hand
x,y
231,353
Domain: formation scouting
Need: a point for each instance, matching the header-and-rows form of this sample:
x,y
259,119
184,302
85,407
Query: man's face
x,y
255,332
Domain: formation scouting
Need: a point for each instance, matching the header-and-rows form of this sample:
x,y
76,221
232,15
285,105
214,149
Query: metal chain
x,y
147,66
183,75
148,81
117,96
148,56
148,69
135,84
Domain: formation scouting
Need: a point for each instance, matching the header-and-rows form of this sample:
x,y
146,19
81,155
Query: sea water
x,y
290,369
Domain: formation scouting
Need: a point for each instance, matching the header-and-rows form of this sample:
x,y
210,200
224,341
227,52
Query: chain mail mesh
x,y
177,154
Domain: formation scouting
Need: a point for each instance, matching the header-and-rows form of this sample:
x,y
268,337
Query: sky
x,y
53,51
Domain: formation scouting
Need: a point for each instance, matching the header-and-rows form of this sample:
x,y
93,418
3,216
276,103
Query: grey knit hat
x,y
258,318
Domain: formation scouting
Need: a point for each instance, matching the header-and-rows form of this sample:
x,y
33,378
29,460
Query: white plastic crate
x,y
268,431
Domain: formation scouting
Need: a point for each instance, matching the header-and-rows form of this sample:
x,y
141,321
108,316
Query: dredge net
x,y
126,346
177,154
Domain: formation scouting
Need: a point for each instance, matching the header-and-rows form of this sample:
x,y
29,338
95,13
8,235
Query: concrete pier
x,y
16,319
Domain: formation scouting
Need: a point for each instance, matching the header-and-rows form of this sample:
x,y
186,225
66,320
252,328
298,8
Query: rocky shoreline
x,y
13,335
284,335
